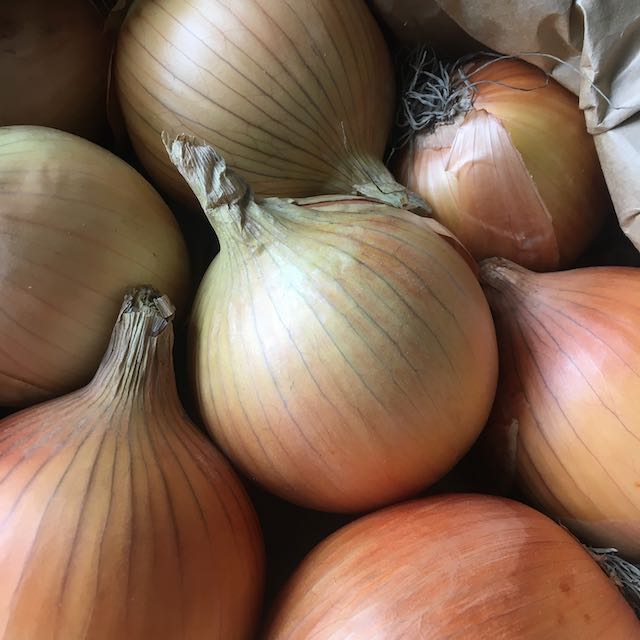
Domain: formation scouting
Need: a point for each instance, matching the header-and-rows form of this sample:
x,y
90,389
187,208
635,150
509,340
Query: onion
x,y
343,356
566,423
119,519
297,95
505,161
77,227
456,566
54,61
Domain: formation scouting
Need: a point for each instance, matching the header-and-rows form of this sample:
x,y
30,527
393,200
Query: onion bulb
x,y
297,95
343,356
77,227
505,161
453,566
54,65
119,519
566,422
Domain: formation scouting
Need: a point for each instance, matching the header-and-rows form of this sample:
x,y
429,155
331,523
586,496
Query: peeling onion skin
x,y
566,422
453,566
517,176
77,227
118,518
344,356
298,96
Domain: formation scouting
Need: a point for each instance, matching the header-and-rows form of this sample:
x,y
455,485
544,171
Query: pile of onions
x,y
344,356
297,95
54,62
119,519
566,422
502,154
77,227
456,566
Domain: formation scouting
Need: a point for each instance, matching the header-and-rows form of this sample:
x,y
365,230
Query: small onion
x,y
566,421
54,62
297,95
343,356
77,227
456,566
506,162
119,519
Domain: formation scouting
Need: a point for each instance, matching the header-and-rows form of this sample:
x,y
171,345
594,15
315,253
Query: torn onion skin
x,y
118,518
517,175
343,356
451,566
566,421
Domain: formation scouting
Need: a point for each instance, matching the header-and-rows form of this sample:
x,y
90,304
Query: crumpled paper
x,y
598,40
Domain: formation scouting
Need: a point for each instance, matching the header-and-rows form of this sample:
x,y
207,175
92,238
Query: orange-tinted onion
x,y
566,421
456,566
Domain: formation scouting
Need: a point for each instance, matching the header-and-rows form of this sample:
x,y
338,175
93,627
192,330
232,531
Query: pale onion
x,y
119,518
297,95
343,356
507,164
77,227
54,63
454,566
566,422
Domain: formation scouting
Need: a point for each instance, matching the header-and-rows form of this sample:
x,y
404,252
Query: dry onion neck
x,y
625,575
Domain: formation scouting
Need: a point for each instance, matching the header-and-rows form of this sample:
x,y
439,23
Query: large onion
x,y
566,422
54,61
343,356
457,566
297,95
77,227
119,519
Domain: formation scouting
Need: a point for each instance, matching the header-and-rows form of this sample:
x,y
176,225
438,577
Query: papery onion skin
x,y
54,65
517,175
118,518
343,357
77,227
297,96
453,566
566,422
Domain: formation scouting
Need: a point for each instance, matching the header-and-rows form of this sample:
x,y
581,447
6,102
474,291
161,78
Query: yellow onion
x,y
77,227
453,566
343,356
297,95
566,421
505,161
54,61
119,519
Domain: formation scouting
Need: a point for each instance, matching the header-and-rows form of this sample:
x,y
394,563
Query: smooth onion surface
x,y
78,226
298,96
566,422
54,63
453,566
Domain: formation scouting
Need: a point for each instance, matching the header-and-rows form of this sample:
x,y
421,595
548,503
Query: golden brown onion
x,y
456,566
119,519
77,227
343,356
566,422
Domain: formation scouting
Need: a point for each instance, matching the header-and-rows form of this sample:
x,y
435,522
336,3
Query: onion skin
x,y
54,65
566,422
453,566
342,358
77,227
297,96
118,518
517,176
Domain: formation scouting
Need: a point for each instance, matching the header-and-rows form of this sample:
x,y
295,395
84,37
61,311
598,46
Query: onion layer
x,y
77,227
566,422
343,356
452,567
